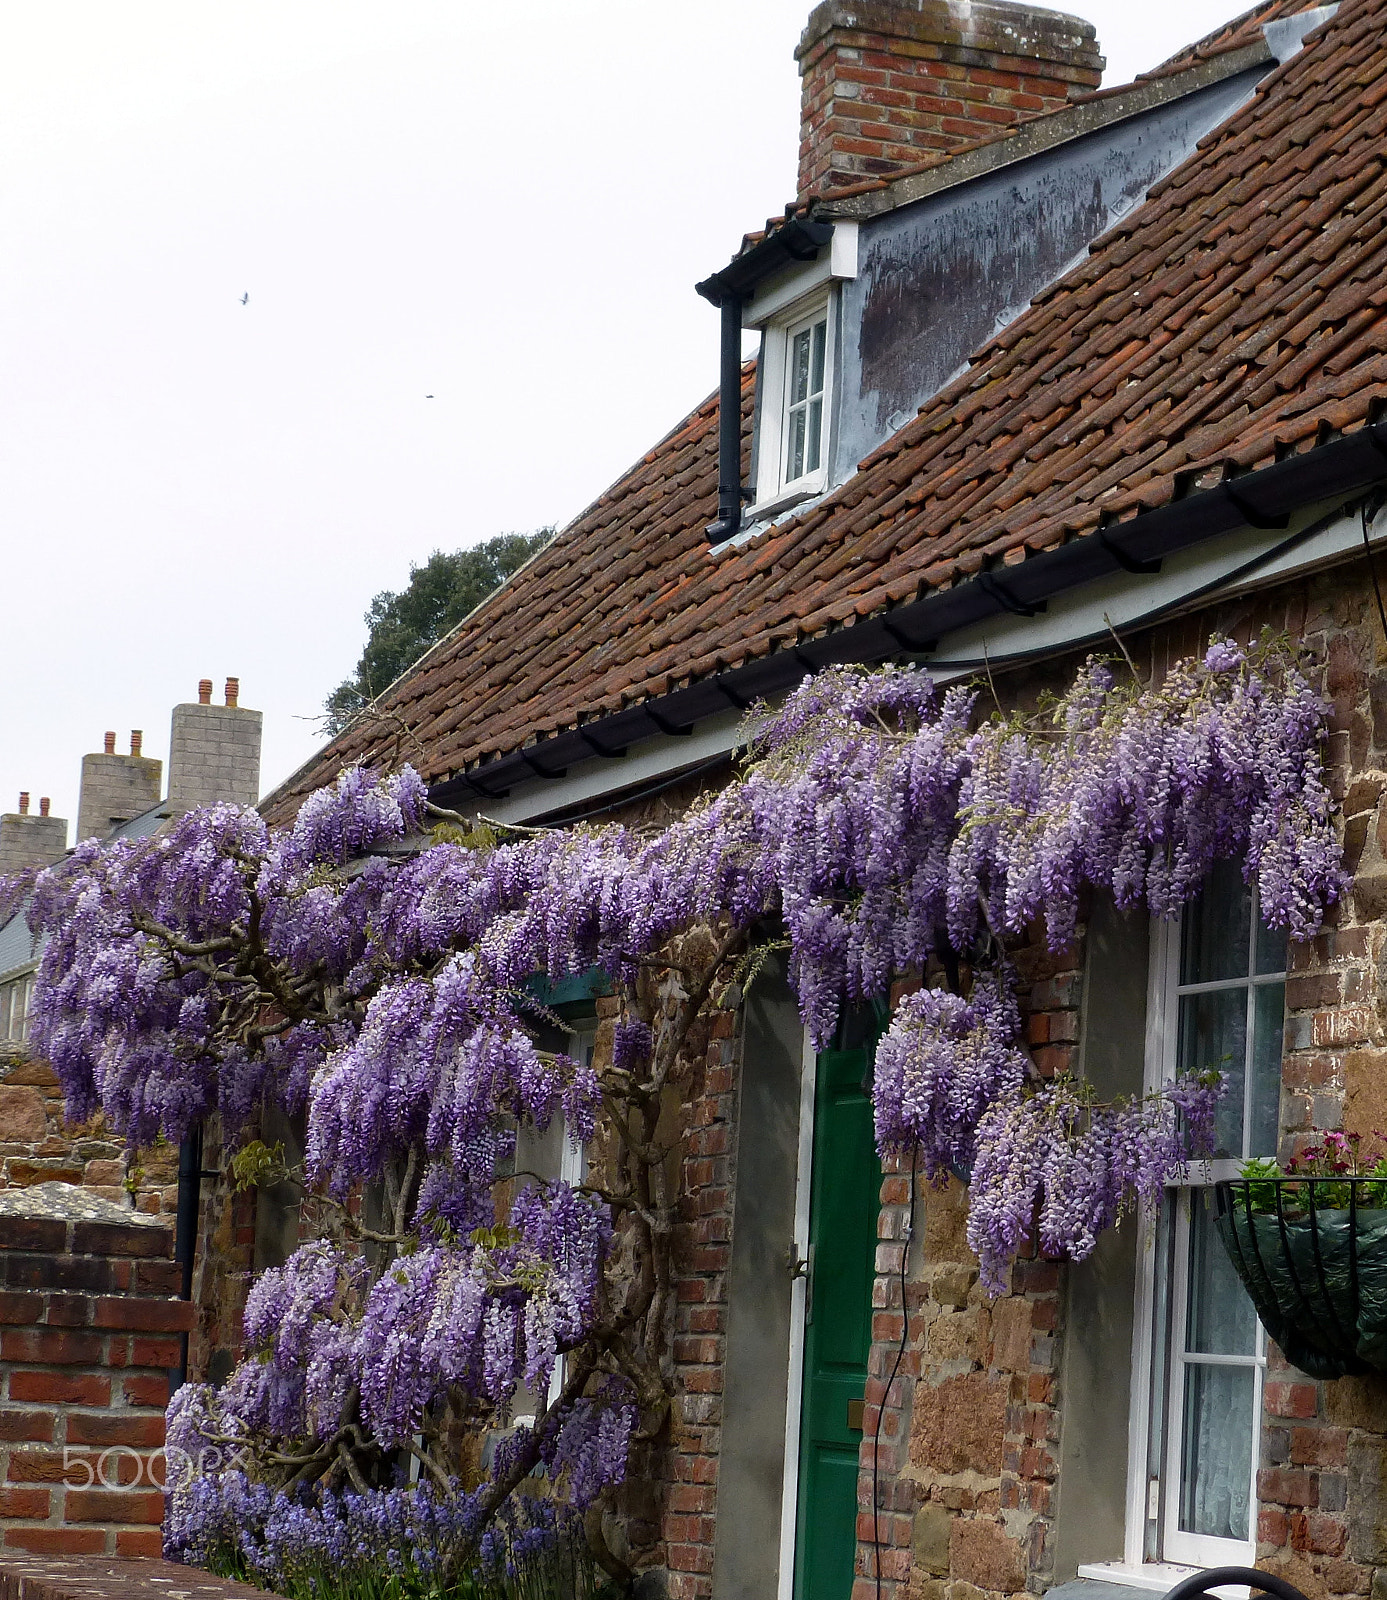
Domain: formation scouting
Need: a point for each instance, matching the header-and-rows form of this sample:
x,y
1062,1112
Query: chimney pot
x,y
110,744
24,802
44,803
204,691
136,741
233,691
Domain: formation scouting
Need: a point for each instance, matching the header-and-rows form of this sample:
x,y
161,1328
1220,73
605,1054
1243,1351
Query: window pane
x,y
1269,1017
1271,948
816,428
1219,1319
1216,1465
1218,927
5,994
796,450
816,384
799,368
1213,1033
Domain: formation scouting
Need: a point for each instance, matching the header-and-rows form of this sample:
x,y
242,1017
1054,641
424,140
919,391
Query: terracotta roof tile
x,y
1238,316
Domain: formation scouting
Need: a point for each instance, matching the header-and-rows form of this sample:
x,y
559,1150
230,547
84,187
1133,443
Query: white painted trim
x,y
772,410
794,1390
653,759
786,289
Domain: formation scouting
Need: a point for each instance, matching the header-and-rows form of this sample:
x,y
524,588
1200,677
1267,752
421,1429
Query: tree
x,y
405,623
375,966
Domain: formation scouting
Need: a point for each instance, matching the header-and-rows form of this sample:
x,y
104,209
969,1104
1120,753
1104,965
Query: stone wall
x,y
969,1465
38,1145
89,1327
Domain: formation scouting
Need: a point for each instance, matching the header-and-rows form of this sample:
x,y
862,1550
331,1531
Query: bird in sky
x,y
428,397
245,297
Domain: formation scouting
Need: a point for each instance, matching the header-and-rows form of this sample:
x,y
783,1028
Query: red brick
x,y
69,1310
140,1542
116,1427
49,1466
17,1309
155,1352
30,1503
28,1426
1291,1399
145,1390
61,1388
52,1346
40,1234
144,1316
1287,1488
120,1239
114,1505
57,1541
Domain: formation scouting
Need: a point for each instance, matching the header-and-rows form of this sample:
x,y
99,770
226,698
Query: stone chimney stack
x,y
116,788
31,841
887,83
214,751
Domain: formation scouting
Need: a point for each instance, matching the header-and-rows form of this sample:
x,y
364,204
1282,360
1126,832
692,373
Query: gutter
x,y
1261,499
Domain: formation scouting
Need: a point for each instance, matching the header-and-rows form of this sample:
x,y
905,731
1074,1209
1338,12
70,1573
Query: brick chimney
x,y
887,83
116,788
31,841
214,751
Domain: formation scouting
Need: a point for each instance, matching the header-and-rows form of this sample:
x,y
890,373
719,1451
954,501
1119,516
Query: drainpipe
x,y
729,424
185,1233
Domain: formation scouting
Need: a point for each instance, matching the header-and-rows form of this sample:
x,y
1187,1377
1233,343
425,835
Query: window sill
x,y
1155,1576
787,500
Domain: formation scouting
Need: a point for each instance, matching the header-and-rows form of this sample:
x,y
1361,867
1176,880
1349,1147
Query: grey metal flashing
x,y
1339,467
1104,109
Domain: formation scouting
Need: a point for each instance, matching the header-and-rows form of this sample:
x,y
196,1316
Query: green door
x,y
844,1199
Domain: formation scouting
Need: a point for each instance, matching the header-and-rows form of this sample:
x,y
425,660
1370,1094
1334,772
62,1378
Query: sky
x,y
295,292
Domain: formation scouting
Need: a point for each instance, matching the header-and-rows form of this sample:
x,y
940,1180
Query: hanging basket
x,y
1312,1254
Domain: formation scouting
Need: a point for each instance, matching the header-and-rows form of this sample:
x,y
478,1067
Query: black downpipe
x,y
185,1234
729,425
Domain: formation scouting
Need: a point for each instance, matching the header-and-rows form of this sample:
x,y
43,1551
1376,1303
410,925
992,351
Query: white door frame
x,y
794,1391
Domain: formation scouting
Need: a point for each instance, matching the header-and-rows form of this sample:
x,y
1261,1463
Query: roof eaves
x,y
1341,466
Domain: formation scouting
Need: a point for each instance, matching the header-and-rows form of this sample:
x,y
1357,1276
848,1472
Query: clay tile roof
x,y
1242,30
1238,316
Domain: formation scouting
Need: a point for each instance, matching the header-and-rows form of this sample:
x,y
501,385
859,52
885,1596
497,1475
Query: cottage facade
x,y
1039,366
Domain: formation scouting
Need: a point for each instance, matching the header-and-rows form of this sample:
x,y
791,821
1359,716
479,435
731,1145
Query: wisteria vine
x,y
372,968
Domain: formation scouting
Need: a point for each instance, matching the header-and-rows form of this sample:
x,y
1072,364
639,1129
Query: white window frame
x,y
774,413
1156,1500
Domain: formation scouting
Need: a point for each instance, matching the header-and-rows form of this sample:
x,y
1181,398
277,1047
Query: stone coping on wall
x,y
112,1578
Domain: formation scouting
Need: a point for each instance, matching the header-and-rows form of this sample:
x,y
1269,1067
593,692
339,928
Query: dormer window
x,y
797,386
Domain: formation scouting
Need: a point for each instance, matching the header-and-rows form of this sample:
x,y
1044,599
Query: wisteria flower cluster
x,y
375,968
1046,1163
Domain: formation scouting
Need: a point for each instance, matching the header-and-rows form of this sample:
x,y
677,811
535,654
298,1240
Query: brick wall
x,y
89,1328
885,86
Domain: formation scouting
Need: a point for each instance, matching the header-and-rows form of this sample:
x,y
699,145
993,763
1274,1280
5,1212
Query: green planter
x,y
1312,1254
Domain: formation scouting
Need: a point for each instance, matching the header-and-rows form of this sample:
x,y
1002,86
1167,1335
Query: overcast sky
x,y
503,207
